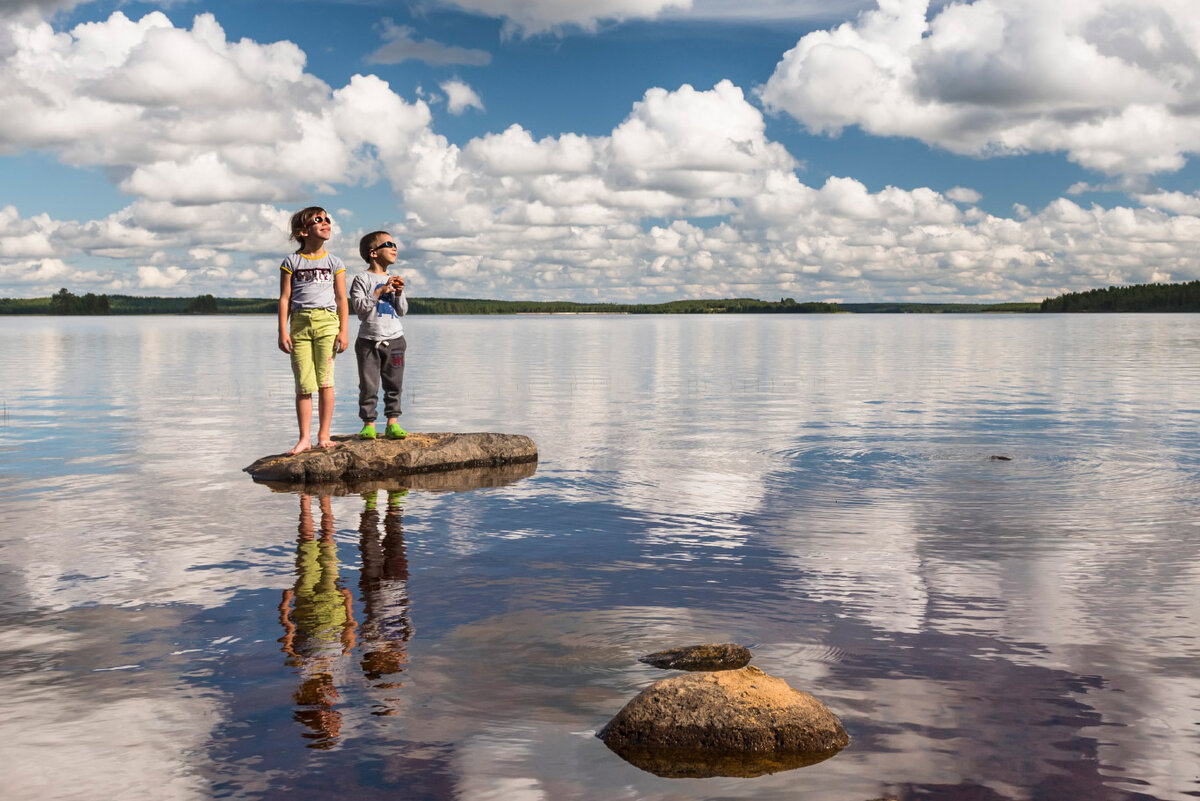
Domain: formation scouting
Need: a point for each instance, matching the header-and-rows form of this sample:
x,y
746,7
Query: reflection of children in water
x,y
384,585
318,615
318,622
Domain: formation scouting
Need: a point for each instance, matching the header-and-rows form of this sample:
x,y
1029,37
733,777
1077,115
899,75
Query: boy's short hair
x,y
302,219
364,244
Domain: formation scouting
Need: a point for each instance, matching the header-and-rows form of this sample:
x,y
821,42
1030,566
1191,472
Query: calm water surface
x,y
818,488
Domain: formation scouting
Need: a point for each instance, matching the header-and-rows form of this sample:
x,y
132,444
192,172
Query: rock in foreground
x,y
710,656
355,460
725,723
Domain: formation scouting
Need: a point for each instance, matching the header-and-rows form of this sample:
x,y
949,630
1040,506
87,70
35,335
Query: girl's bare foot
x,y
301,446
325,443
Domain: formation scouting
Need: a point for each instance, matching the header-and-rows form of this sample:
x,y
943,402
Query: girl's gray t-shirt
x,y
312,280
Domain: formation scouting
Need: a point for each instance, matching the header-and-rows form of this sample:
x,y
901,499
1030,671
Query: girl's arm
x,y
285,299
339,293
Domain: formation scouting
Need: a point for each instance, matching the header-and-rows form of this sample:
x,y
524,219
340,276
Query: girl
x,y
314,320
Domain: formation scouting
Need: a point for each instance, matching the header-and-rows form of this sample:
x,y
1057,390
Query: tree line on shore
x,y
1138,298
1184,297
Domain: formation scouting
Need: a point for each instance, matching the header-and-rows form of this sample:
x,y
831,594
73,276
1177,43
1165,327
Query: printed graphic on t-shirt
x,y
384,308
309,275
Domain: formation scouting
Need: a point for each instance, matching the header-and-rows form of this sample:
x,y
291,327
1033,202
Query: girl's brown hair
x,y
302,219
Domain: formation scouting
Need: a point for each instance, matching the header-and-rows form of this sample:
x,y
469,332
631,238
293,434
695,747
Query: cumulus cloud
x,y
1173,202
460,97
401,46
150,277
961,194
1113,84
190,117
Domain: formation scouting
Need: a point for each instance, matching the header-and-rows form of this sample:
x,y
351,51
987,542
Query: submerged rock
x,y
723,723
354,460
711,656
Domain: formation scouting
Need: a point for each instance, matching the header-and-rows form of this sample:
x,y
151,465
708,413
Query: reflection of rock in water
x,y
352,459
710,656
386,628
723,723
460,480
691,764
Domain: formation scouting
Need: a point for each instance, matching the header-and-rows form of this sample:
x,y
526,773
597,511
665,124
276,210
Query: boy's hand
x,y
397,283
342,341
285,343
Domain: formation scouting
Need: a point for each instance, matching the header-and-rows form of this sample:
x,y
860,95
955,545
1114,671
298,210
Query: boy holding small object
x,y
378,300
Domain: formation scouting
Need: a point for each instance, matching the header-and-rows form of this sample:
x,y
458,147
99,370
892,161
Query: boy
x,y
378,300
313,320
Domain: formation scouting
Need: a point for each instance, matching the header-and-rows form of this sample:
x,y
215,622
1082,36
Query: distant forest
x,y
1138,298
64,302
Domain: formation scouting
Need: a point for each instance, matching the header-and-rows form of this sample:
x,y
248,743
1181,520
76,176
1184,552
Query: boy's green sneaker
x,y
368,432
394,431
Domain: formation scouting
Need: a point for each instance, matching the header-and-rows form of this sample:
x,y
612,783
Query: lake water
x,y
820,489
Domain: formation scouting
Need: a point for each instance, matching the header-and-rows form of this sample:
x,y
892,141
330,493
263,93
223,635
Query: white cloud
x,y
41,275
162,278
531,17
460,97
772,10
1113,84
189,117
401,47
1174,202
962,194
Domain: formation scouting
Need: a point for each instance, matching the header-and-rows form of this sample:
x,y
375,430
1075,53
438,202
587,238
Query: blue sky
x,y
615,150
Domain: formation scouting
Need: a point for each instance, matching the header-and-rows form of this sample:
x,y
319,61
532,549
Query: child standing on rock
x,y
378,300
314,323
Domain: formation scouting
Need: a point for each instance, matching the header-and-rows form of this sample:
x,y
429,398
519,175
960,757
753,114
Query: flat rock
x,y
723,723
710,656
352,460
457,479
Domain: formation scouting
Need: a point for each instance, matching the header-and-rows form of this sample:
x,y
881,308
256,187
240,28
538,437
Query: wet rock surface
x,y
353,461
723,723
710,656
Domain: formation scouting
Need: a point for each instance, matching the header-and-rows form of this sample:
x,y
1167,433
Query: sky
x,y
612,151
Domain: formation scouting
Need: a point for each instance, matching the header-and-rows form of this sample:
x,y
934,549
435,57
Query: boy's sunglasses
x,y
383,245
319,219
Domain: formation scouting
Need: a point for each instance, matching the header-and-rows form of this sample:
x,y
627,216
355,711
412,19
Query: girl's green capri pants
x,y
313,332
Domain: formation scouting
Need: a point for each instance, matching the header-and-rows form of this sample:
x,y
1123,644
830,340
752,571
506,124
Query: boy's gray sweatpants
x,y
379,360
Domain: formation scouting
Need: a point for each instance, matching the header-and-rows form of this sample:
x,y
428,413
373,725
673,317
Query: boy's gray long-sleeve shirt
x,y
380,318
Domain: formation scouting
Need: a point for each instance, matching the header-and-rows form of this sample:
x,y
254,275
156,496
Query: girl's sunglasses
x,y
319,219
